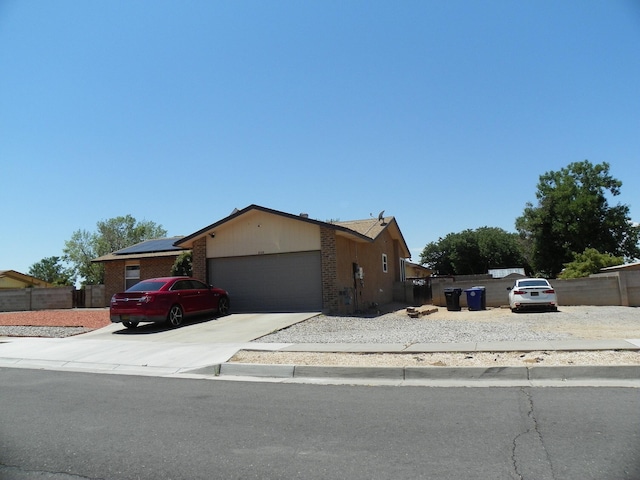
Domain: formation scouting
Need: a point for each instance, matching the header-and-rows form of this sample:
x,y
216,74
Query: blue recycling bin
x,y
474,298
483,292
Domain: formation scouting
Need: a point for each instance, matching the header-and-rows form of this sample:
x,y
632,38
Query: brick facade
x,y
156,267
113,277
328,259
149,268
199,260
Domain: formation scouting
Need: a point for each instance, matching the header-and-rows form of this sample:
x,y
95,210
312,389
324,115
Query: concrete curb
x,y
599,372
533,373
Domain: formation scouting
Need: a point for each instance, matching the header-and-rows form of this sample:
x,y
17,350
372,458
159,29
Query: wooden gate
x,y
78,298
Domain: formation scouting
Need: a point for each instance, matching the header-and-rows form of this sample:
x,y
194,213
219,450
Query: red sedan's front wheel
x,y
223,306
175,316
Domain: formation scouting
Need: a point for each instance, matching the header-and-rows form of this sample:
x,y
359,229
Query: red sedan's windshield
x,y
146,287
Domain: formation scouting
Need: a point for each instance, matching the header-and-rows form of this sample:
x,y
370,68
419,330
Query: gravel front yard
x,y
497,324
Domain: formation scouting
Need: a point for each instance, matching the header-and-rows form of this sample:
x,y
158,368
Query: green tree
x,y
182,265
111,235
50,269
473,252
573,214
588,262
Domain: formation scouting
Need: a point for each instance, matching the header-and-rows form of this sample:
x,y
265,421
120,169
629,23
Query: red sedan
x,y
167,299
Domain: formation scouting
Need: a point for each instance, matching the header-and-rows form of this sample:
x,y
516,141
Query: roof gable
x,y
371,227
189,239
360,230
27,280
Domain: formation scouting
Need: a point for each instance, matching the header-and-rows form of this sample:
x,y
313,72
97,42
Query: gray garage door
x,y
288,282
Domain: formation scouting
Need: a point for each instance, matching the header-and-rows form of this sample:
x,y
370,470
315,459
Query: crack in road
x,y
529,455
19,472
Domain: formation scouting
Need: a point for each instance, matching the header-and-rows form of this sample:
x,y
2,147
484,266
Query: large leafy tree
x,y
51,269
573,214
111,235
473,252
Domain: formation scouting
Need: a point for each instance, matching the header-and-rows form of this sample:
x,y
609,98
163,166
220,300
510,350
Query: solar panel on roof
x,y
150,246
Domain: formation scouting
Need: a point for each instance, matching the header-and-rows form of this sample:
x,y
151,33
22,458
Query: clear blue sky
x,y
442,113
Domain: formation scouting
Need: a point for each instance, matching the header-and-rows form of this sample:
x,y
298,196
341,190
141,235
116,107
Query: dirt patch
x,y
92,318
464,359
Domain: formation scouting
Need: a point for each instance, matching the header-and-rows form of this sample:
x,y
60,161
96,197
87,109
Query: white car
x,y
532,293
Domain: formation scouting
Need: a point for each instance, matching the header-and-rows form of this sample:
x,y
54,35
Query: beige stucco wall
x,y
377,286
11,283
261,233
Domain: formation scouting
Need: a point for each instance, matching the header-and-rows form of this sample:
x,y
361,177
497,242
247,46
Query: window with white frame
x,y
131,275
385,263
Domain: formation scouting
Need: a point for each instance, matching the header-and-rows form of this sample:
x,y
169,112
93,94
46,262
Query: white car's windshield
x,y
533,283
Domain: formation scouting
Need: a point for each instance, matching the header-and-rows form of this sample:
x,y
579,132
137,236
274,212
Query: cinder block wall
x,y
24,299
621,288
15,300
51,298
633,287
600,291
95,296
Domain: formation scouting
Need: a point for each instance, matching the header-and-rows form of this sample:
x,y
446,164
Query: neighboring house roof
x,y
416,268
158,247
505,272
359,230
627,266
11,276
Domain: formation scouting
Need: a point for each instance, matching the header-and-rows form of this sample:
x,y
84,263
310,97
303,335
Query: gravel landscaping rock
x,y
492,325
48,332
442,326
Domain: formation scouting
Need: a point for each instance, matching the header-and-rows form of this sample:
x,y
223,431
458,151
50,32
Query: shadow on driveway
x,y
158,327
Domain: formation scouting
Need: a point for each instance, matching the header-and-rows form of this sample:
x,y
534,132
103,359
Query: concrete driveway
x,y
149,349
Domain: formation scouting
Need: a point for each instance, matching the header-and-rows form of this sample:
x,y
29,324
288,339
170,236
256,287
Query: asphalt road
x,y
61,425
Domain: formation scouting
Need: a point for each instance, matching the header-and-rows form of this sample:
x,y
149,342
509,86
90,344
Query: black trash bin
x,y
452,295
